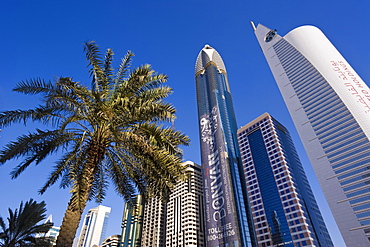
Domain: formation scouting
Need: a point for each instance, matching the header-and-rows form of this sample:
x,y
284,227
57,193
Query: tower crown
x,y
206,55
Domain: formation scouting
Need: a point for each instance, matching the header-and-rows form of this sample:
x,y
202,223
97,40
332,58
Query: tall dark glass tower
x,y
227,213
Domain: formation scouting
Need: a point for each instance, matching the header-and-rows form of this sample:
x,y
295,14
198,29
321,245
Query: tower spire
x,y
253,26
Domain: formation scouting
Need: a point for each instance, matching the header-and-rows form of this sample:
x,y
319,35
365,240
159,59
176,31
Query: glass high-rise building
x,y
94,227
284,209
227,214
330,106
132,223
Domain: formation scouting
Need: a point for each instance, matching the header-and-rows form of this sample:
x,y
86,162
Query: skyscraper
x,y
94,227
226,204
112,241
53,232
179,222
154,223
132,223
284,210
185,214
330,106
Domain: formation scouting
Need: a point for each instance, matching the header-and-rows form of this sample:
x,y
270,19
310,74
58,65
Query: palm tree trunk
x,y
79,198
76,206
68,229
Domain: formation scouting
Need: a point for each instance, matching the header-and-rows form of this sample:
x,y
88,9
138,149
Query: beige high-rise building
x,y
180,221
111,241
185,217
153,231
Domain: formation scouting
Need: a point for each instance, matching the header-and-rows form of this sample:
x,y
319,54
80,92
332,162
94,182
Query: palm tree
x,y
111,132
23,226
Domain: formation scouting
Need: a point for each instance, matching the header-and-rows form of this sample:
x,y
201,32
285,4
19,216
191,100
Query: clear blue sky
x,y
45,39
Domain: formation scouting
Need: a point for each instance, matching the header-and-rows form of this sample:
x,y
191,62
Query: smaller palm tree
x,y
23,226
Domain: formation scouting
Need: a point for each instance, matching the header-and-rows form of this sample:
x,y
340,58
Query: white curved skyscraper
x,y
330,106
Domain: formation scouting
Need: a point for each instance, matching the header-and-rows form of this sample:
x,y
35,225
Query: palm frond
x,y
23,224
124,66
137,80
100,185
67,94
33,86
64,167
108,69
35,147
121,173
154,80
156,94
96,64
41,114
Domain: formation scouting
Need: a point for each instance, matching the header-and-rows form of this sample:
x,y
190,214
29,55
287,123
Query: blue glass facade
x,y
270,197
284,209
228,221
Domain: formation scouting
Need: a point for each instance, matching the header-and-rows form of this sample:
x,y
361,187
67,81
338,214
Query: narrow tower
x,y
132,223
226,204
330,106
